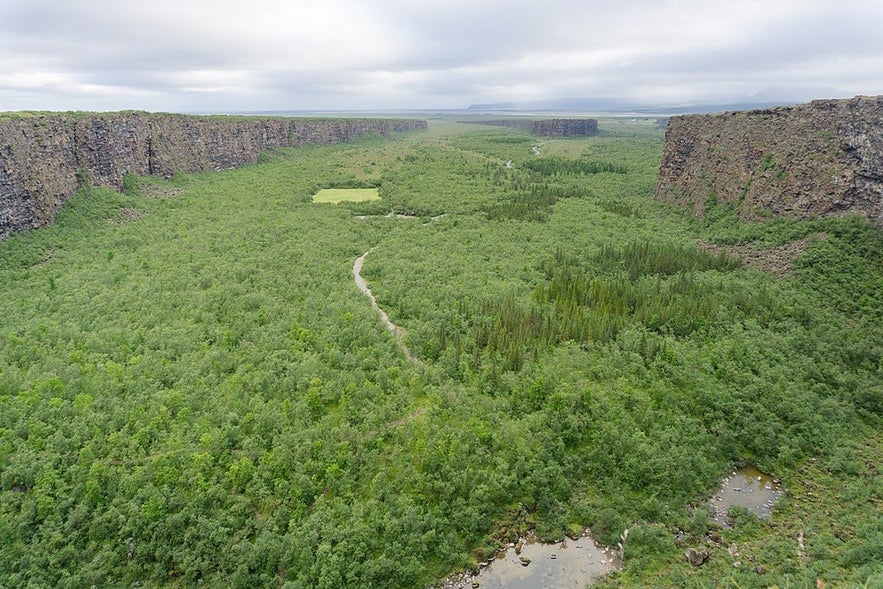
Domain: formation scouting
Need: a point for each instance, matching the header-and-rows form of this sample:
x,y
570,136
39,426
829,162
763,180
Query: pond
x,y
532,564
746,487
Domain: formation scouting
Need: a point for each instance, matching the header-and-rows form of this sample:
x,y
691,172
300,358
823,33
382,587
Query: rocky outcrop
x,y
44,159
817,159
547,127
696,557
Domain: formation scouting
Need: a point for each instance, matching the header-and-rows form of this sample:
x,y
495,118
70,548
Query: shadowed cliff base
x,y
46,158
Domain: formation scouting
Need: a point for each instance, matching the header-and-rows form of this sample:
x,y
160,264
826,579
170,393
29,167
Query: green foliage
x,y
608,527
553,166
131,185
647,543
867,554
530,199
84,181
637,259
618,208
741,518
203,397
594,302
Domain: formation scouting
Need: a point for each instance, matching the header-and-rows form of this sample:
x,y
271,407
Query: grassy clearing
x,y
338,195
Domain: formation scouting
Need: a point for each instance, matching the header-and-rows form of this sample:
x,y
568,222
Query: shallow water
x,y
571,563
749,488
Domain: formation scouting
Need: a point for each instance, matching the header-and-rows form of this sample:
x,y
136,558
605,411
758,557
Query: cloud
x,y
275,54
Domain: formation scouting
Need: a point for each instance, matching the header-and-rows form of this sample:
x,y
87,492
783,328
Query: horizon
x,y
546,109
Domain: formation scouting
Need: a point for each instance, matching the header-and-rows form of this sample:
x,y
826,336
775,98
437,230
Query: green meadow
x,y
336,195
194,392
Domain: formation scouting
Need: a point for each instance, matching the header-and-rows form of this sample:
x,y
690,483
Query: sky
x,y
267,55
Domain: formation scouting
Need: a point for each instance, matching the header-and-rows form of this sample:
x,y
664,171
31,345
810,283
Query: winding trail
x,y
399,332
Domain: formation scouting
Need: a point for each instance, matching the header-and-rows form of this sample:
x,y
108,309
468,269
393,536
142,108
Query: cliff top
x,y
83,114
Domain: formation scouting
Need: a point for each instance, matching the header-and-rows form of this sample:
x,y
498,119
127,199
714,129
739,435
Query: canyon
x,y
46,158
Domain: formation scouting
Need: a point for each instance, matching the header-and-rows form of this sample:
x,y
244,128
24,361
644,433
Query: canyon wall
x,y
547,127
816,159
44,159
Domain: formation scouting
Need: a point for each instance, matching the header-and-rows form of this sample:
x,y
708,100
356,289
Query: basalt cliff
x,y
44,159
547,127
817,159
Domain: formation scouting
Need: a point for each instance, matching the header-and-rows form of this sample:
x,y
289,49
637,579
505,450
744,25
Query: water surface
x,y
749,488
570,563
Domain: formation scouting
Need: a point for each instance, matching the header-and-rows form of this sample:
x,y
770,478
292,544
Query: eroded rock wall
x,y
564,127
816,159
44,159
547,127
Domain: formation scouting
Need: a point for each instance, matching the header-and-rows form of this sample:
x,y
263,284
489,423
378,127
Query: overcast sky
x,y
235,55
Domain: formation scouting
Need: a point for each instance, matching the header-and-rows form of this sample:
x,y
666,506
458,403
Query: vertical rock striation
x,y
564,127
44,159
546,127
816,159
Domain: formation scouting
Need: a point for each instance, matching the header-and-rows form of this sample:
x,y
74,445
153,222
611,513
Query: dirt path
x,y
399,332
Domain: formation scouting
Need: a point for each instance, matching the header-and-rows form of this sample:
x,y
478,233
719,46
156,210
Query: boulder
x,y
696,557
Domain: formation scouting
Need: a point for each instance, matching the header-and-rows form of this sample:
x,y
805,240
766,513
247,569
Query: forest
x,y
194,392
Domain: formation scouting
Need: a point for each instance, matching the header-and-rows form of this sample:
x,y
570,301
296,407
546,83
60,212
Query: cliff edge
x,y
817,159
44,159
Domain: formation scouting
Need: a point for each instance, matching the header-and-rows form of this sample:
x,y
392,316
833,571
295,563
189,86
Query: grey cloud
x,y
396,53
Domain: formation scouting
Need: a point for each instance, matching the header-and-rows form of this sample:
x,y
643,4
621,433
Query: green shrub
x,y
646,543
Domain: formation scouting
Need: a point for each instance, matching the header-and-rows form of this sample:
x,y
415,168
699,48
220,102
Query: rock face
x,y
547,127
817,159
44,159
564,127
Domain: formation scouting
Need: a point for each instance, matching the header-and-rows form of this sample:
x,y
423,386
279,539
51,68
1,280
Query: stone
x,y
696,557
524,561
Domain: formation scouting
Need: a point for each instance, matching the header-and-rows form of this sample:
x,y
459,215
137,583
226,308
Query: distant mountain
x,y
796,94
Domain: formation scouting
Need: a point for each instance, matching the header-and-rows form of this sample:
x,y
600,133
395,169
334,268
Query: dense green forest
x,y
193,391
